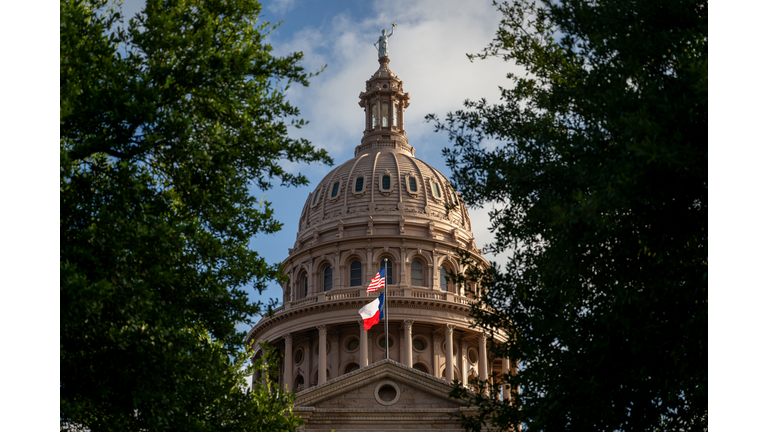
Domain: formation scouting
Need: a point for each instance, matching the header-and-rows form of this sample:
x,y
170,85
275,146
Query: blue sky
x,y
428,52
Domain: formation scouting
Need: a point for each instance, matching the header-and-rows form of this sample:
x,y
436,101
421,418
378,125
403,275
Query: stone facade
x,y
382,204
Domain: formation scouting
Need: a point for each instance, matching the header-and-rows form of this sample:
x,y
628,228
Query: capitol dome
x,y
383,204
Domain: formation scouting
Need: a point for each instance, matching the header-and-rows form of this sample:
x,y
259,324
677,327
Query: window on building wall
x,y
455,199
314,200
359,184
386,182
335,190
304,285
394,115
389,270
417,274
356,274
412,184
327,279
374,115
384,115
436,189
444,278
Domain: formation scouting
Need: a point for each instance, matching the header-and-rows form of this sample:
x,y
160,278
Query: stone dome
x,y
382,208
384,190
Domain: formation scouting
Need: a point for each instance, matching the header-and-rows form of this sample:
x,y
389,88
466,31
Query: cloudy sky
x,y
428,52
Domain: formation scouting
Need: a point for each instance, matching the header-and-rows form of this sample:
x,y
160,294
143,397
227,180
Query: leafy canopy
x,y
598,166
165,123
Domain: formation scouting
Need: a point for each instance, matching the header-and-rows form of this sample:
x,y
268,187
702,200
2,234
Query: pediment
x,y
362,389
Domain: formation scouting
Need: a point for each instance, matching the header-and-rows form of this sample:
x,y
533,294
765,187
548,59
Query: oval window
x,y
435,189
391,342
419,344
352,344
412,184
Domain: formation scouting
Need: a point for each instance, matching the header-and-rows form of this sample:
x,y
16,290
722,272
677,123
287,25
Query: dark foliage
x,y
597,161
165,122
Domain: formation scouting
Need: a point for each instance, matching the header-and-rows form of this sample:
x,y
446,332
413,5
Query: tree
x,y
598,170
165,122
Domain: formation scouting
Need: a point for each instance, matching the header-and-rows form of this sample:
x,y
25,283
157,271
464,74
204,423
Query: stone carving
x,y
382,44
432,232
370,226
340,229
402,226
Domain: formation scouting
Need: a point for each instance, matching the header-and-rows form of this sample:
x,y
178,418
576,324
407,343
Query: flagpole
x,y
386,310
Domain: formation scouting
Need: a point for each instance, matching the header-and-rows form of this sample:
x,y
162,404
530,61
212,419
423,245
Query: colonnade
x,y
446,331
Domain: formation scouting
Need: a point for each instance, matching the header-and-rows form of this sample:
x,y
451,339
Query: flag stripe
x,y
377,281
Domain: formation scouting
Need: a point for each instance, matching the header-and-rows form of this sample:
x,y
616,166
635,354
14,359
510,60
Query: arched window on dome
x,y
356,274
389,270
327,278
303,285
436,190
359,182
374,115
412,184
386,182
444,279
384,114
417,274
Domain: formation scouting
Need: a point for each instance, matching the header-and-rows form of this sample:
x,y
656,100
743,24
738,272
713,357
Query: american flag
x,y
377,281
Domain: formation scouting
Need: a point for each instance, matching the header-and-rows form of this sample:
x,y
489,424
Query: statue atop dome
x,y
381,44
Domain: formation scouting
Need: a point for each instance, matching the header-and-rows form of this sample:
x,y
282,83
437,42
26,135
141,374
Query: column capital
x,y
408,324
449,328
362,325
322,329
482,337
288,337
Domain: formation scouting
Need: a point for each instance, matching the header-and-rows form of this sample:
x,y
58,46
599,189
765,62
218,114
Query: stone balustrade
x,y
353,293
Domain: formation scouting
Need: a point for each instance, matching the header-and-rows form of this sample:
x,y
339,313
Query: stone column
x,y
436,352
310,361
401,357
464,362
504,370
288,372
369,261
408,342
335,353
363,349
483,362
322,363
449,352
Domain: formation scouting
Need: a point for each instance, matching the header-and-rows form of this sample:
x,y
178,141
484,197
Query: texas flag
x,y
373,312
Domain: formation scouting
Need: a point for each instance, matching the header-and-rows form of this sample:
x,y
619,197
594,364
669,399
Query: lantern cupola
x,y
384,103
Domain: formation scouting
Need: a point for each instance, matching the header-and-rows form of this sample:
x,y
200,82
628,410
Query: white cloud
x,y
428,52
280,7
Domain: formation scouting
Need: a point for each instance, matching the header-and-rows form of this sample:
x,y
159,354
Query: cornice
x,y
257,331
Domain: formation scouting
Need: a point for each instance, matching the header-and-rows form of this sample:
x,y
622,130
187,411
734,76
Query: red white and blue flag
x,y
377,281
373,312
